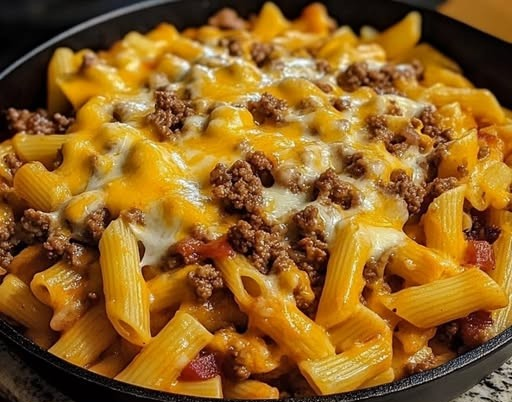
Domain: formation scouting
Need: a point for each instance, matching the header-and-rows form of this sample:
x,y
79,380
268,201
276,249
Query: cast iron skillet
x,y
487,61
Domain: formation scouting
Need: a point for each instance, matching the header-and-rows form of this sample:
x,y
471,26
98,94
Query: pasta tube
x,y
348,370
250,389
18,303
443,223
87,339
160,363
42,148
43,190
169,288
273,312
344,281
126,293
445,300
502,274
211,388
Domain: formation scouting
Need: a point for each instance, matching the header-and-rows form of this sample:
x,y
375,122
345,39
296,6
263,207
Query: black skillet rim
x,y
7,331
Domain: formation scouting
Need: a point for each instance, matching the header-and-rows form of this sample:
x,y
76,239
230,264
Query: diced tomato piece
x,y
219,248
188,248
203,367
476,328
480,253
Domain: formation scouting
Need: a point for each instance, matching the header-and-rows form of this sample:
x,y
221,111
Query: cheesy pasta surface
x,y
258,208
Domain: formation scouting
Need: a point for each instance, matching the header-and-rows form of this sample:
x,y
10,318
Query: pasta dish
x,y
258,208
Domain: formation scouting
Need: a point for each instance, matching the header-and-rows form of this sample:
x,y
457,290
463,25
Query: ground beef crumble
x,y
260,241
183,252
380,80
309,223
35,225
7,231
268,109
403,186
341,103
204,280
324,86
169,115
38,122
431,126
309,250
12,162
329,187
59,244
355,165
237,187
95,223
395,143
262,167
227,18
323,66
440,185
233,46
261,53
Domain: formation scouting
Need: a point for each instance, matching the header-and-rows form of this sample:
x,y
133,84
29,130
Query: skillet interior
x,y
486,61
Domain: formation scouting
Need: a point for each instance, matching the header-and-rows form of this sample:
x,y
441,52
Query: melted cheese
x,y
125,165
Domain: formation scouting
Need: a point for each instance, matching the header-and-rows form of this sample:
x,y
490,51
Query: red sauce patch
x,y
203,367
480,253
216,249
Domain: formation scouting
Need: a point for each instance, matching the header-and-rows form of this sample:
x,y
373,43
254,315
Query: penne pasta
x,y
29,262
41,148
61,64
444,300
401,37
362,326
348,370
250,389
27,310
66,291
159,364
211,388
115,359
40,188
298,335
126,293
443,224
83,343
169,289
344,280
419,264
502,274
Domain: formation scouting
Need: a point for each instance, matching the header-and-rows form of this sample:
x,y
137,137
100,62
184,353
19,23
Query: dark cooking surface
x,y
25,24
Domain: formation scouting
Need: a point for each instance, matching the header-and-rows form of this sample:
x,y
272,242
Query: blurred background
x,y
25,24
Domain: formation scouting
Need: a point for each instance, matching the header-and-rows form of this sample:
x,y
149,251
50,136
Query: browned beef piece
x,y
237,187
329,187
38,122
169,115
268,109
403,186
204,280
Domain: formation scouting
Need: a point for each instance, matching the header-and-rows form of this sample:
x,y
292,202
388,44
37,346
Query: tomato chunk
x,y
480,253
203,367
219,248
